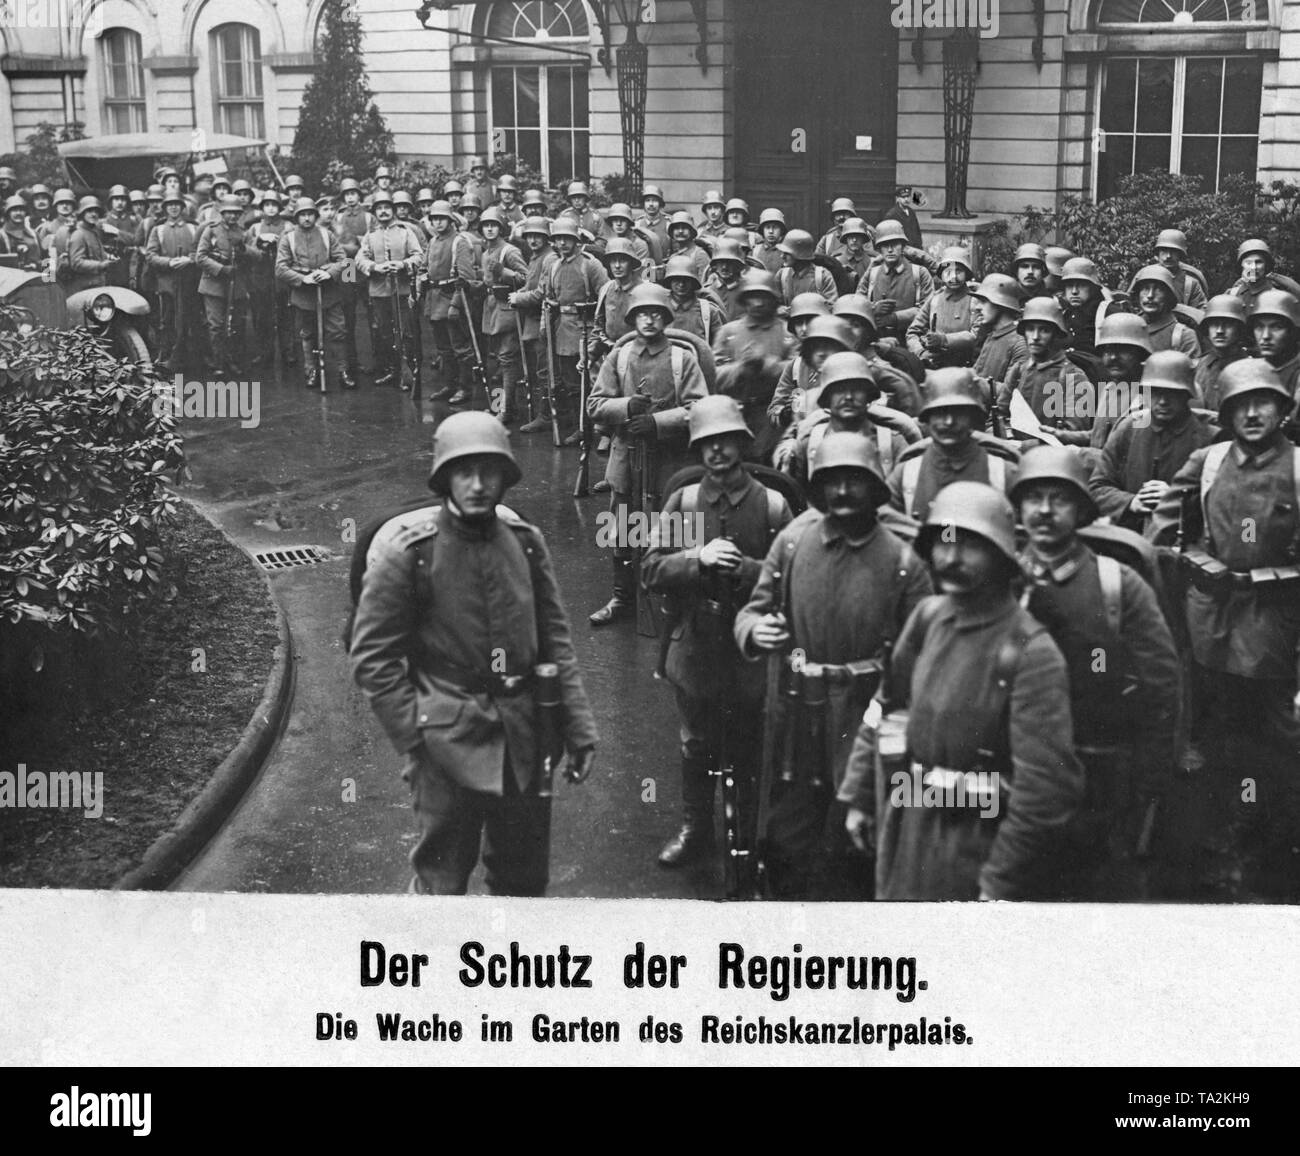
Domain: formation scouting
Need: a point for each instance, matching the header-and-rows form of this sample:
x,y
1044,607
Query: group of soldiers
x,y
1036,634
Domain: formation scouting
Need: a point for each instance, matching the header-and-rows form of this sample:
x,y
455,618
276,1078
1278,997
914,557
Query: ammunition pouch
x,y
1207,574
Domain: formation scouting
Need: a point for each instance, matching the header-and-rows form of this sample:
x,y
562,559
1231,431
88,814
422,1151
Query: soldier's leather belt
x,y
573,310
954,784
1208,574
835,674
497,685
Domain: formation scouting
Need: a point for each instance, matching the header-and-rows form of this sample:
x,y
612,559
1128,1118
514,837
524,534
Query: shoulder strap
x,y
873,275
1214,458
775,507
1112,587
997,473
677,357
885,448
624,356
690,498
911,476
293,249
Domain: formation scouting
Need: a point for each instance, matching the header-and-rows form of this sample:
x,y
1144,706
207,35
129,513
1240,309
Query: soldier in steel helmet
x,y
307,257
624,268
902,212
389,256
458,606
823,336
1122,664
169,251
995,310
693,311
708,546
1155,294
1030,271
854,252
832,242
726,268
223,256
1234,510
975,800
1122,347
834,592
1189,283
1059,395
1275,327
1255,261
480,184
17,239
942,332
799,273
88,257
351,223
1223,341
896,286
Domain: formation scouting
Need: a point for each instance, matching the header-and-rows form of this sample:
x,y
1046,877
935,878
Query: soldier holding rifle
x,y
222,255
310,260
388,258
469,732
170,254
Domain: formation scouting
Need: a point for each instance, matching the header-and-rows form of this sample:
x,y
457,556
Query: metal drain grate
x,y
294,556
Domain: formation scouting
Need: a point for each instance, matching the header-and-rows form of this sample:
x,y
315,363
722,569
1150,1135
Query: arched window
x,y
1178,110
539,111
124,108
237,80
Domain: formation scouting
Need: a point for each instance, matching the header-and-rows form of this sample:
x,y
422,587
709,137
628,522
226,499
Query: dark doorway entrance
x,y
830,69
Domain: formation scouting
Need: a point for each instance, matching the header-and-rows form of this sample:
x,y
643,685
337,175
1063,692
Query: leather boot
x,y
623,603
694,840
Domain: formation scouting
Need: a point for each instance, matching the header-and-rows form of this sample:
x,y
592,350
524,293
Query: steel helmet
x,y
507,182
681,267
771,217
241,186
271,195
856,305
1043,309
64,196
1277,303
976,508
1056,256
15,202
652,191
154,193
712,197
452,186
383,171
464,435
831,329
201,179
402,197
1249,375
952,388
1157,273
441,209
531,224
1123,329
39,190
799,244
758,281
619,212
163,173
648,296
956,255
1172,239
740,236
1225,307
220,181
304,205
890,230
533,197
841,368
1081,269
228,205
683,220
117,191
88,203
1031,251
738,205
1056,464
472,201
855,227
565,226
577,189
841,448
175,197
716,414
725,249
137,195
843,205
620,247
424,197
491,216
380,197
1255,245
1000,290
1169,369
293,181
809,305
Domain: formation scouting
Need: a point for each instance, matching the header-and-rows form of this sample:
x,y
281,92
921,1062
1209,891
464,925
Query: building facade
x,y
785,102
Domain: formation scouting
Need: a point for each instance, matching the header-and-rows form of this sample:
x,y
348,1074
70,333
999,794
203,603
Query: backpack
x,y
912,477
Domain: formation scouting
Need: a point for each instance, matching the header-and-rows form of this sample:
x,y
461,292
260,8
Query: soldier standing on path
x,y
389,257
350,224
834,592
449,261
987,696
540,256
458,607
504,273
169,251
709,577
269,305
222,255
88,259
309,256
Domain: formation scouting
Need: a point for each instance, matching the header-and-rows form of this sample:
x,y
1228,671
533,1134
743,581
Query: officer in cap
x,y
170,254
88,258
954,412
902,212
1124,710
1149,444
1223,338
942,332
896,286
985,690
351,223
1275,326
771,229
833,594
995,313
1154,293
1059,395
1171,252
708,577
643,393
1240,606
447,590
223,256
307,257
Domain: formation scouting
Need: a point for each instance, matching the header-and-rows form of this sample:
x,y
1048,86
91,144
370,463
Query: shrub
x,y
40,161
83,464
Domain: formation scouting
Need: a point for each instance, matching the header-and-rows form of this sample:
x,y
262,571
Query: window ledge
x,y
14,64
1174,43
293,61
171,65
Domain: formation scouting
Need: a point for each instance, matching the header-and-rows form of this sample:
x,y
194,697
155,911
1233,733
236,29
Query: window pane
x,y
561,154
558,101
1114,164
580,98
530,147
1151,153
503,97
1155,98
1201,158
1242,85
1201,99
581,152
1238,155
527,98
1117,96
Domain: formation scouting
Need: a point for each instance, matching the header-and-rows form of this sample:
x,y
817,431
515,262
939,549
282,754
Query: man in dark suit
x,y
905,215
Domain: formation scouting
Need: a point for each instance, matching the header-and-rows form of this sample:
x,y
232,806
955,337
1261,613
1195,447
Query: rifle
x,y
230,314
523,358
643,479
320,337
547,320
582,483
275,314
479,371
407,378
550,737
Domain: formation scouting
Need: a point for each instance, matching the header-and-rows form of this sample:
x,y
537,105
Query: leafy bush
x,y
83,464
40,162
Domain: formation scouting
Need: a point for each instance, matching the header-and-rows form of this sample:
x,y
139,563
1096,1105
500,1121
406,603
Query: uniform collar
x,y
1056,570
1261,460
962,619
734,491
832,536
1052,362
